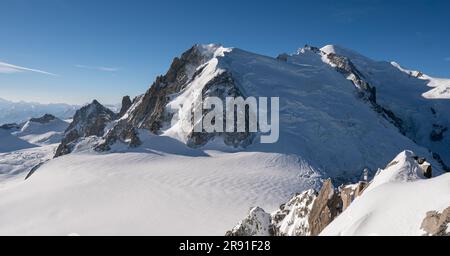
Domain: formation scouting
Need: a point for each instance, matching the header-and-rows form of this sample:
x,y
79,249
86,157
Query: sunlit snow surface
x,y
174,191
395,203
165,188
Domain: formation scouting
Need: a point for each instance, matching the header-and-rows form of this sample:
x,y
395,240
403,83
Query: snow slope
x,y
33,144
152,191
10,142
441,86
408,95
43,133
15,165
395,203
318,120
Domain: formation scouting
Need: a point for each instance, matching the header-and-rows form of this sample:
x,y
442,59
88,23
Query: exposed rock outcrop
x,y
346,67
365,90
306,214
363,81
310,212
222,86
257,223
126,104
425,166
90,120
43,119
123,132
313,49
350,192
283,57
150,112
326,207
437,134
10,127
437,224
292,218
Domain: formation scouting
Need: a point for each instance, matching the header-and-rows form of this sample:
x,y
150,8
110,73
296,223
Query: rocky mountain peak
x,y
90,120
150,110
126,104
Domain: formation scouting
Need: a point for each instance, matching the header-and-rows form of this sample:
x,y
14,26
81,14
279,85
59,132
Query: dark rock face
x,y
90,120
325,209
123,132
222,86
437,134
150,114
306,214
283,57
10,127
126,104
34,169
149,109
312,48
43,119
426,168
346,67
391,117
435,224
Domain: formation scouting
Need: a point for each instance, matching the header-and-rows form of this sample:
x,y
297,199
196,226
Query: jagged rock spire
x,y
126,104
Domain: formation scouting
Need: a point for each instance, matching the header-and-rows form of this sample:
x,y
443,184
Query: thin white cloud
x,y
99,68
7,68
447,59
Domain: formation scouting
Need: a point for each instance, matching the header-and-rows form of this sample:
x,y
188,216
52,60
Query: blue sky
x,y
84,49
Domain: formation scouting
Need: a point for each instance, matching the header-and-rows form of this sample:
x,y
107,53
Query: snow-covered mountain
x,y
319,89
44,130
407,97
90,120
18,112
340,112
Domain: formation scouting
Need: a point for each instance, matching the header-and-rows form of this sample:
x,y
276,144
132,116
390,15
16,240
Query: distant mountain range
x,y
18,112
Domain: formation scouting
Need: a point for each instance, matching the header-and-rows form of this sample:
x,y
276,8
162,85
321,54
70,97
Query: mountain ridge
x,y
214,70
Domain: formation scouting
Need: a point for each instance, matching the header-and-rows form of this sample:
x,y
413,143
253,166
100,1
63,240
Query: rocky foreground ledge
x,y
353,209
